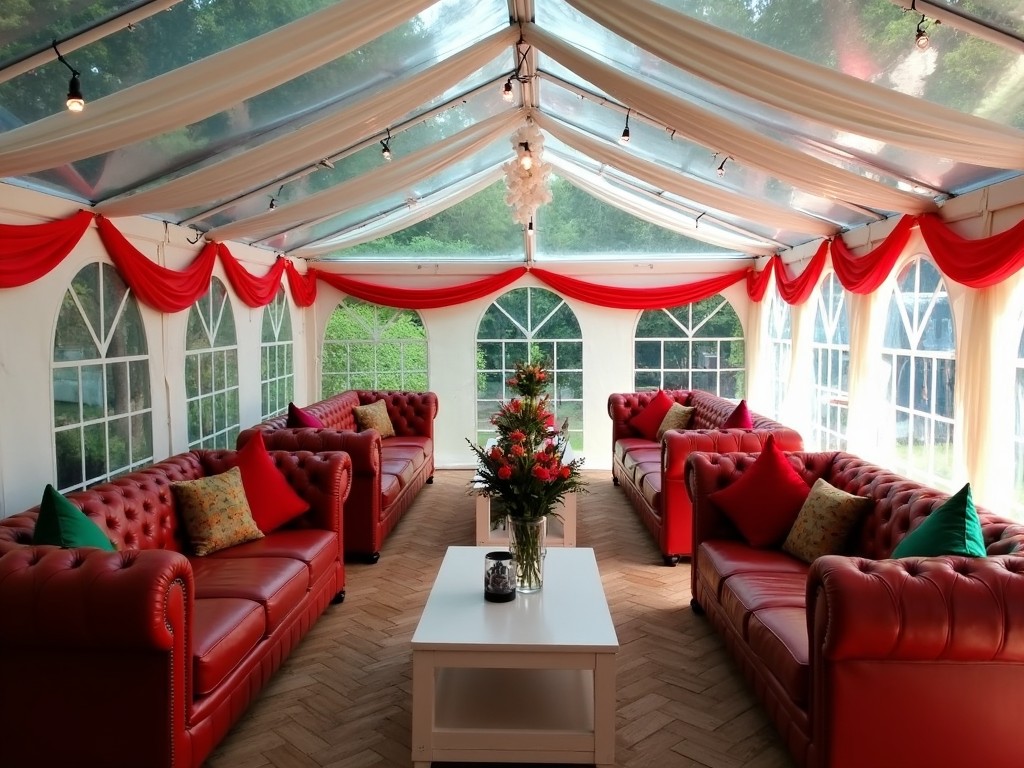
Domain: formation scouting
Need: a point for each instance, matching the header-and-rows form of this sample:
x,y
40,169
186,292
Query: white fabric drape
x,y
406,217
369,186
817,93
866,382
345,126
672,181
984,396
718,134
195,91
599,187
758,354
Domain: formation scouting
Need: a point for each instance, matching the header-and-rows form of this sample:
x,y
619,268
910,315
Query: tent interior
x,y
690,163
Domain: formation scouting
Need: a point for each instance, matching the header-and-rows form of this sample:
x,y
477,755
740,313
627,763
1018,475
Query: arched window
x,y
780,339
695,346
530,325
211,371
831,348
367,346
919,355
277,358
102,402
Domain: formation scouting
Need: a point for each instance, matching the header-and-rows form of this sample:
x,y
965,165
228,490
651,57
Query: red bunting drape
x,y
798,289
421,298
303,287
864,274
254,291
29,251
757,282
975,263
638,298
164,289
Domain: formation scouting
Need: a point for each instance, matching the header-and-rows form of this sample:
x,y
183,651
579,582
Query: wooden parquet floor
x,y
343,697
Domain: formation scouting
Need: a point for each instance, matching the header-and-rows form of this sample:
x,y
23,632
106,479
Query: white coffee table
x,y
532,680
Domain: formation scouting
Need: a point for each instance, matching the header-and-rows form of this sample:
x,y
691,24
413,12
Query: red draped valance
x,y
29,252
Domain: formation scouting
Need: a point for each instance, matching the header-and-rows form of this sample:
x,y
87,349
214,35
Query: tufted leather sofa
x,y
147,656
386,474
858,659
651,475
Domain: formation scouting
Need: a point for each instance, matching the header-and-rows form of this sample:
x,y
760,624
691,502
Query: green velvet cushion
x,y
63,524
952,529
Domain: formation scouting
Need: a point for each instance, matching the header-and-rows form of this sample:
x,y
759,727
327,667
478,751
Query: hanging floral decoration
x,y
527,175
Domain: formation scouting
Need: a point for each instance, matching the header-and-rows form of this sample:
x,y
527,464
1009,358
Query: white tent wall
x,y
28,316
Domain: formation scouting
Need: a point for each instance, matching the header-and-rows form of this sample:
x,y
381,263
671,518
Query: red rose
x,y
496,453
517,450
517,436
564,472
541,473
505,472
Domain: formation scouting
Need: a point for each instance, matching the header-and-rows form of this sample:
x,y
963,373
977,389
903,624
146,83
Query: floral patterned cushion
x,y
678,417
215,511
374,416
824,522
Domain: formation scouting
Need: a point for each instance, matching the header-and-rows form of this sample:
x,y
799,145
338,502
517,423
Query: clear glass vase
x,y
526,542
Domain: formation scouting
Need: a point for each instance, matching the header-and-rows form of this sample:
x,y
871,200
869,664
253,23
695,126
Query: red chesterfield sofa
x,y
145,657
863,661
386,474
651,475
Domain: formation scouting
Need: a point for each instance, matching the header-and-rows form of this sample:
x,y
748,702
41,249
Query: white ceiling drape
x,y
363,189
789,83
342,127
195,91
720,135
769,215
394,221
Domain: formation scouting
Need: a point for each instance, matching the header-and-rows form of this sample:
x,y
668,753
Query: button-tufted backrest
x,y
623,406
411,413
135,511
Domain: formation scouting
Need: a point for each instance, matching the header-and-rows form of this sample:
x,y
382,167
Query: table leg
x,y
423,702
569,520
604,710
483,520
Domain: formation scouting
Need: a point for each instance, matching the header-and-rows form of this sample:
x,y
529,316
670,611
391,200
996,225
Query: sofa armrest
x,y
115,627
364,448
919,659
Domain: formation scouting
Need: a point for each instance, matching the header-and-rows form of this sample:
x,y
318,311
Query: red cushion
x,y
272,500
766,499
649,419
739,418
297,418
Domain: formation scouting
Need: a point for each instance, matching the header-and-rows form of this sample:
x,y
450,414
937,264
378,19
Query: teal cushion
x,y
63,524
952,529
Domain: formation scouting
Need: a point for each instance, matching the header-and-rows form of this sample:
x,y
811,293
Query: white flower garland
x,y
527,175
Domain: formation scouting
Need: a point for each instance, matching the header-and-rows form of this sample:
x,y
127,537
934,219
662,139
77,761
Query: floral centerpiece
x,y
524,468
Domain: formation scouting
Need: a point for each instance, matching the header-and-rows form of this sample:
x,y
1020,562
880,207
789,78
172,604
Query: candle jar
x,y
499,577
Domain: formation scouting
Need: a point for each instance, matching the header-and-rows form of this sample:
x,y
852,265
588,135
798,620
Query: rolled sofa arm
x,y
87,638
918,661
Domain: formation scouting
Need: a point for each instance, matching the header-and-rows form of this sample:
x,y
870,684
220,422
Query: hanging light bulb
x,y
75,101
624,138
525,156
385,144
921,39
507,93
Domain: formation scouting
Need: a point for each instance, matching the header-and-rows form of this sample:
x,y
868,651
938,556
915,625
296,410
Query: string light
x,y
507,93
385,144
75,101
922,41
525,155
273,199
720,170
624,138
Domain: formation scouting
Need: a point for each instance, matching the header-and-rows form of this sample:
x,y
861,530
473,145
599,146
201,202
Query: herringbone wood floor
x,y
343,697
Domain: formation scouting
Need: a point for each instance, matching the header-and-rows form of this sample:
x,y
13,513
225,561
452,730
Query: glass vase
x,y
526,542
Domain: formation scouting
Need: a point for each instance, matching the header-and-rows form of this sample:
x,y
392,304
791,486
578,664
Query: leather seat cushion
x,y
390,488
318,549
278,583
410,453
627,444
745,593
650,486
648,455
224,631
424,444
401,469
719,559
778,636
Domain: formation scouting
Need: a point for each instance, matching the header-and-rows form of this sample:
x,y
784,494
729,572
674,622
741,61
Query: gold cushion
x,y
678,417
216,512
374,416
824,522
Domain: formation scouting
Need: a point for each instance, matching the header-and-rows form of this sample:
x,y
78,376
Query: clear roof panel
x,y
1001,14
29,27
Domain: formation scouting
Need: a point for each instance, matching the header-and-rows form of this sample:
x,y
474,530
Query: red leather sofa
x,y
651,475
861,660
145,657
386,473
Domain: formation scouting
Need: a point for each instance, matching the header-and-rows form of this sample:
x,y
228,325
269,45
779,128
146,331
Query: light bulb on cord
x,y
507,93
624,138
75,102
921,39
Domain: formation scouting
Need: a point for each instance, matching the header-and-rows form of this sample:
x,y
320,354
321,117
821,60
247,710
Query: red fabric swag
x,y
798,289
864,274
757,282
303,287
29,251
425,298
159,287
638,298
254,291
975,263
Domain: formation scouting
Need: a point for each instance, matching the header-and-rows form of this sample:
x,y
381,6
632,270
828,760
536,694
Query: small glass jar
x,y
499,577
